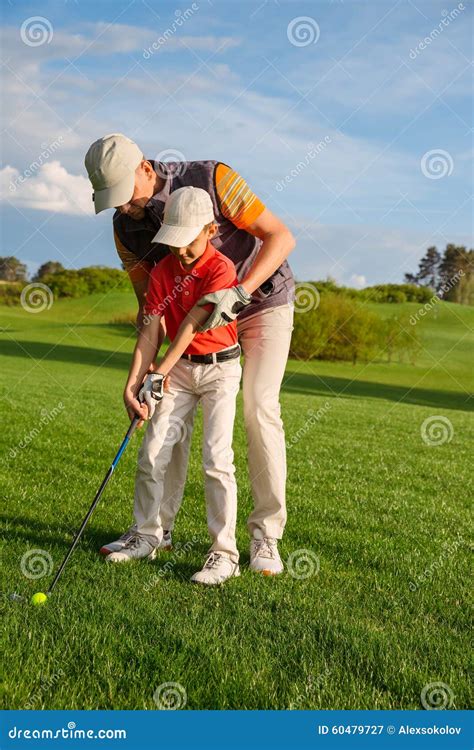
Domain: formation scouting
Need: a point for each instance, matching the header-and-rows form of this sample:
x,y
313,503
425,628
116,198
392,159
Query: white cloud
x,y
51,189
106,39
358,281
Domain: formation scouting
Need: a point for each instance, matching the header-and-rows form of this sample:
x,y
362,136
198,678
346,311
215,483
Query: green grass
x,y
378,507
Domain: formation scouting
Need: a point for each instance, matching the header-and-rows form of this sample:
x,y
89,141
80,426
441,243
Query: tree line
x,y
450,275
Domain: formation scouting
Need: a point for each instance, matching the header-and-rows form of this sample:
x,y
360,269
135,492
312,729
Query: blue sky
x,y
258,85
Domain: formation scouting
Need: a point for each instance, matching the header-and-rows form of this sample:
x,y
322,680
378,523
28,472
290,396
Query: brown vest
x,y
237,244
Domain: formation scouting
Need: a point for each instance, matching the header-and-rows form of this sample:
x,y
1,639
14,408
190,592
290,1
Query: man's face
x,y
191,253
145,179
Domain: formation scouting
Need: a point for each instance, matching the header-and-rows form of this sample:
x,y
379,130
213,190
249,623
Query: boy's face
x,y
190,254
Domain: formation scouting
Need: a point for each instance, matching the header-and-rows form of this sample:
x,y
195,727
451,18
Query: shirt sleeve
x,y
154,296
138,270
238,203
221,276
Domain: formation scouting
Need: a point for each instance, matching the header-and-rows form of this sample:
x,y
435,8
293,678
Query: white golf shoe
x,y
136,548
119,544
264,557
217,569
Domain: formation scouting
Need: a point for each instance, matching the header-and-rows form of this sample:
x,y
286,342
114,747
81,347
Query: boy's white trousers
x,y
161,453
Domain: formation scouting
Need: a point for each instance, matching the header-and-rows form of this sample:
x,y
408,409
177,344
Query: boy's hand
x,y
227,305
134,407
156,367
152,392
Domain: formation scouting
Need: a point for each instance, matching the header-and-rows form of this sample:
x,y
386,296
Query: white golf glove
x,y
228,303
151,391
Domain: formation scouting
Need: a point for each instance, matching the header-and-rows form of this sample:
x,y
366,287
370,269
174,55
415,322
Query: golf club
x,y
40,598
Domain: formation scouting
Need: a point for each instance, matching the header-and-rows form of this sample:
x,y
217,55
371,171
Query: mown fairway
x,y
378,524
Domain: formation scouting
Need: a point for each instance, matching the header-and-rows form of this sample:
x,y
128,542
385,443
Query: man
x,y
258,243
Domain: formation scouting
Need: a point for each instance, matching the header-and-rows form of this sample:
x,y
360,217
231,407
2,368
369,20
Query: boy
x,y
198,367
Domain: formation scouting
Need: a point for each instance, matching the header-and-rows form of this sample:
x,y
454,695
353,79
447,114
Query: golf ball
x,y
39,598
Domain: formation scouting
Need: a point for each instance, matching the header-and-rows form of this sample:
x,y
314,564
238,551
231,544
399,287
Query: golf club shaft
x,y
102,487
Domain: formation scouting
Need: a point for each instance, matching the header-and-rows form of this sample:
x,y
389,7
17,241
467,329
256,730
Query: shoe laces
x,y
213,561
265,547
134,542
129,533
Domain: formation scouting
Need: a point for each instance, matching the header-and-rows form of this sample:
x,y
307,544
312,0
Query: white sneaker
x,y
264,557
166,543
136,548
217,569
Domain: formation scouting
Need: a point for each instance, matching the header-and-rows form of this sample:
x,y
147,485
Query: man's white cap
x,y
111,163
187,211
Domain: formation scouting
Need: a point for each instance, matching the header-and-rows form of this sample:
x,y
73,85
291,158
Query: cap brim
x,y
176,236
114,196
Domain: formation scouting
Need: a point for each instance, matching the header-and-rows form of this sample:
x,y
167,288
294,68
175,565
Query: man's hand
x,y
228,303
152,392
134,407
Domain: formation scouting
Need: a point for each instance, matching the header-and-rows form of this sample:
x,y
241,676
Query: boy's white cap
x,y
111,163
187,211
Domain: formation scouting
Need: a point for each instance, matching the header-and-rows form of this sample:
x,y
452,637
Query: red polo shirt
x,y
173,291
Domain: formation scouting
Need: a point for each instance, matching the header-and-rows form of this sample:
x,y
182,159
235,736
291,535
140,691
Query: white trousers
x,y
265,341
216,387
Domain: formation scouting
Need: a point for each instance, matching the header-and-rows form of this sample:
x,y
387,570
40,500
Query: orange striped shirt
x,y
238,203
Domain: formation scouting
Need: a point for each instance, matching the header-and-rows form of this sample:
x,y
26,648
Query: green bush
x,y
73,284
341,328
396,293
378,293
10,293
86,281
101,279
338,328
66,284
329,285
